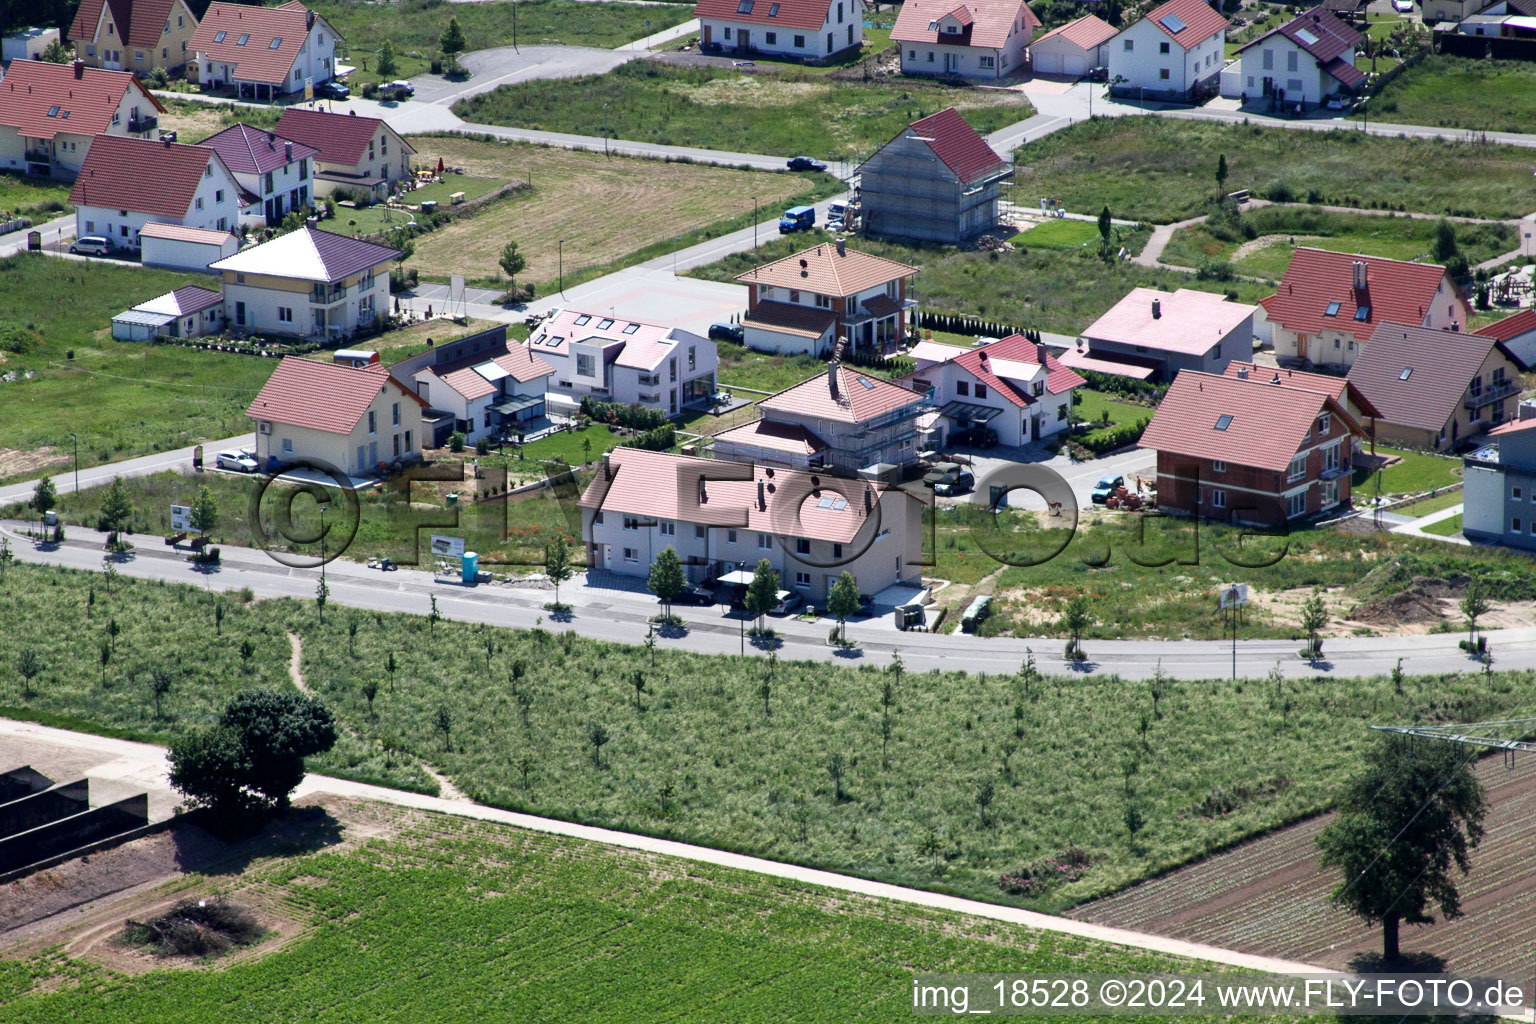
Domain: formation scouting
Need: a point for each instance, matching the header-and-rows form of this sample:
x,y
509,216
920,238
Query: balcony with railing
x,y
1492,393
143,123
322,295
39,156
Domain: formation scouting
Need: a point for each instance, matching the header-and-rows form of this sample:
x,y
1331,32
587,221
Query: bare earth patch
x,y
14,461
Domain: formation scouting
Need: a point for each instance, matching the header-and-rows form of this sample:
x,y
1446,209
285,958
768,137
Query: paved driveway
x,y
506,65
1080,476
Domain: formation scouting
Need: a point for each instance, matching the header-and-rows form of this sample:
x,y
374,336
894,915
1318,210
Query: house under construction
x,y
938,181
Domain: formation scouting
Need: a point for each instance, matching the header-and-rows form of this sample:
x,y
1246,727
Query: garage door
x,y
1048,63
1074,64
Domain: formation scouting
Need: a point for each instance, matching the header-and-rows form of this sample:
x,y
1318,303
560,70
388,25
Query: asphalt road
x,y
144,465
622,615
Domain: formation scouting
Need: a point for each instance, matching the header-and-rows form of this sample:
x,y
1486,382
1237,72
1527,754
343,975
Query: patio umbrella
x,y
439,165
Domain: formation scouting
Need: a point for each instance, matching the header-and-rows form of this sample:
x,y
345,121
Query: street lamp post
x,y
322,543
561,254
76,438
675,243
742,567
754,222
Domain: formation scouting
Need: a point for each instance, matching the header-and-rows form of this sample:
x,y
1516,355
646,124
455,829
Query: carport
x,y
964,415
137,325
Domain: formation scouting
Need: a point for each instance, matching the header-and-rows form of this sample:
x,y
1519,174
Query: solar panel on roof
x,y
604,325
839,504
1173,23
825,502
1306,37
1407,372
1223,422
867,383
583,320
631,329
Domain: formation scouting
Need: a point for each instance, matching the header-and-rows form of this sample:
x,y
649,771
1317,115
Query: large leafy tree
x,y
763,592
254,757
1405,825
667,578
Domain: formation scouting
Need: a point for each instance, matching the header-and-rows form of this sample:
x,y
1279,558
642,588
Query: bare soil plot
x,y
1270,896
604,207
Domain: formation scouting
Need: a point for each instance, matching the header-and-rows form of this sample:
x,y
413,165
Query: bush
x,y
370,90
1115,437
1037,876
456,442
437,65
633,416
196,929
483,446
657,439
1278,192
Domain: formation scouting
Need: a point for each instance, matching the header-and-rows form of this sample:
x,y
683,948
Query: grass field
x,y
1162,170
604,208
1416,472
699,759
789,111
1445,527
1046,288
1453,92
415,26
194,121
38,198
764,371
465,921
122,398
1059,234
1278,230
377,219
1428,505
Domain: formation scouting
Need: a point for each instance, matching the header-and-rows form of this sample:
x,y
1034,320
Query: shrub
x,y
456,442
196,929
1037,876
657,439
633,416
1278,192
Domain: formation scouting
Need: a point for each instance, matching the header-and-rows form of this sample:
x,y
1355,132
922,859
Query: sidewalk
x,y
1415,527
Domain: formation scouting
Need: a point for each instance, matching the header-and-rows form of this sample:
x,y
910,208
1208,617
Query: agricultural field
x,y
575,196
1047,288
1452,92
467,921
121,398
1270,896
37,198
414,28
788,111
696,754
1161,170
1259,242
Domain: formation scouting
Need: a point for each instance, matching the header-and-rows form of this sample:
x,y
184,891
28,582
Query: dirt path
x,y
296,672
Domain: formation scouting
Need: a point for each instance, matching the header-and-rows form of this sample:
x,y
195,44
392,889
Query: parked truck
x,y
797,218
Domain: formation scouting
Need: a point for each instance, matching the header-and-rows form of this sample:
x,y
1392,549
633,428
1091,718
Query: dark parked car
x,y
805,163
695,594
725,332
1105,487
332,90
962,484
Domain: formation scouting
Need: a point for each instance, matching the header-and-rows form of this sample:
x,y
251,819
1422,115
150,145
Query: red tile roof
x,y
1085,33
1510,326
323,396
822,270
992,21
138,22
342,139
1337,388
955,142
218,38
82,105
790,318
1319,32
1017,349
810,14
1512,426
522,364
658,485
1265,425
182,233
142,175
1200,21
859,396
1185,322
1394,290
1439,365
780,437
248,150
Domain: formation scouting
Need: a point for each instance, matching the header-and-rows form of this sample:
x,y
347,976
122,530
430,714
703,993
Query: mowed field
x,y
400,917
604,207
1270,896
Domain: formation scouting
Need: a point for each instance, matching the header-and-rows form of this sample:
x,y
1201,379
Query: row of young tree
x,y
668,577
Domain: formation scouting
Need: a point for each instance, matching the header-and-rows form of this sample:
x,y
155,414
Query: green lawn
x,y
449,920
1059,234
414,27
763,371
1454,92
699,760
567,445
1044,288
1445,527
788,111
377,219
1162,169
1283,228
1416,472
38,198
1429,505
121,398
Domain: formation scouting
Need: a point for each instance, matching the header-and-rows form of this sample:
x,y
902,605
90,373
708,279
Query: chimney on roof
x,y
167,140
608,470
1242,373
762,498
1456,326
1275,379
869,499
79,69
842,246
1157,309
288,150
1360,268
309,20
832,379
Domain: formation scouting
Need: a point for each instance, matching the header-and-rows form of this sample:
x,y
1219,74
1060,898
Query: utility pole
x,y
322,543
754,222
76,438
561,256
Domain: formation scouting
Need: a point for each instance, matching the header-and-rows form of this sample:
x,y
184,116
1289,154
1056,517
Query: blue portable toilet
x,y
471,564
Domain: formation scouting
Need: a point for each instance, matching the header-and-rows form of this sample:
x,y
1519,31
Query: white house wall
x,y
1143,64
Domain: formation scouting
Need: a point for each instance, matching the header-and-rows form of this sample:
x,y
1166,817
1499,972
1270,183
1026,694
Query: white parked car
x,y
1403,6
400,87
240,462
